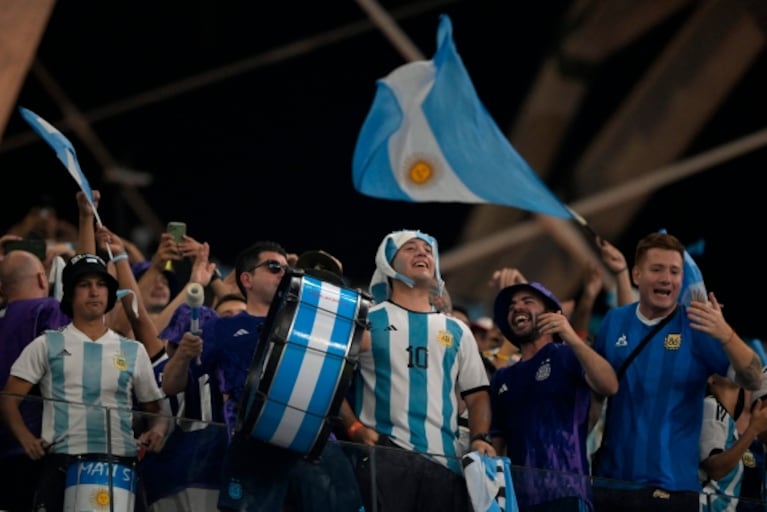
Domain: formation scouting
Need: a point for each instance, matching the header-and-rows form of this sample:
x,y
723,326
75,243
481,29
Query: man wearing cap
x,y
540,405
82,368
413,360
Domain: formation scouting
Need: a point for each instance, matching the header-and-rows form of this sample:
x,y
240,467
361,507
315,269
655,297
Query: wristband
x,y
119,256
620,271
482,436
353,428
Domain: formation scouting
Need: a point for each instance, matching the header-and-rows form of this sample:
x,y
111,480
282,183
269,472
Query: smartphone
x,y
34,245
177,230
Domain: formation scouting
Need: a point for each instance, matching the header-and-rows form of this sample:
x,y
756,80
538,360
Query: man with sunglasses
x,y
258,476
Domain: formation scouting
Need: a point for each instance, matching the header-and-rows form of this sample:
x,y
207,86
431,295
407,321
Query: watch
x,y
482,436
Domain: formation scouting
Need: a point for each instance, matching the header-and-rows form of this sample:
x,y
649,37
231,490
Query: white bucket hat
x,y
379,284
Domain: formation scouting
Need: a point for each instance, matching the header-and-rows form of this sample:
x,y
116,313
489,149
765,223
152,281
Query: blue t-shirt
x,y
229,345
540,407
653,422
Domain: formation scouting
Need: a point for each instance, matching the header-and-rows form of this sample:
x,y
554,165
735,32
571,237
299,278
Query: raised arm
x,y
707,317
143,328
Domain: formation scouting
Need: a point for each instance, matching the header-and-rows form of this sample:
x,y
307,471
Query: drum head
x,y
304,363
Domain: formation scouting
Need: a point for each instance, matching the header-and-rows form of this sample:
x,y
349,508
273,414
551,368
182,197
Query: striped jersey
x,y
718,434
80,378
652,425
406,384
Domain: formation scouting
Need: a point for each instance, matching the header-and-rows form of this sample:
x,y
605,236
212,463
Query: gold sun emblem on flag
x,y
420,170
100,498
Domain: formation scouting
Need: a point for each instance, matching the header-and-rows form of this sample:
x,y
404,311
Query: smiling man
x,y
540,405
652,426
410,366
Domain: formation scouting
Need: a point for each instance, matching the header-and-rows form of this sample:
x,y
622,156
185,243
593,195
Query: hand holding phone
x,y
177,230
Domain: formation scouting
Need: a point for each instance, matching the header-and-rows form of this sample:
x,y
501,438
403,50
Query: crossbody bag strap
x,y
622,370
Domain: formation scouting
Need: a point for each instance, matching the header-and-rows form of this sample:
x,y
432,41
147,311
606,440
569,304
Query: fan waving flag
x,y
428,137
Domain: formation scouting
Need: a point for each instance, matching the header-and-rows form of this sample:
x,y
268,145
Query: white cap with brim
x,y
379,284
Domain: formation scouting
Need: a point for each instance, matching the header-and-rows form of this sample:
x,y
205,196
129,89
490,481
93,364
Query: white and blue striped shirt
x,y
80,379
719,432
407,381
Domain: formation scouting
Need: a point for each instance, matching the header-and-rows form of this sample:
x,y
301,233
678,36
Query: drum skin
x,y
303,364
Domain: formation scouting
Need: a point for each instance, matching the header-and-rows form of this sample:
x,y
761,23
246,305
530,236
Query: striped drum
x,y
304,362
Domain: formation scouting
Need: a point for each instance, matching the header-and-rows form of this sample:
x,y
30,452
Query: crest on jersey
x,y
445,338
672,341
120,361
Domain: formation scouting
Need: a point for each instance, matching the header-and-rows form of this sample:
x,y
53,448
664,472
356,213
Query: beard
x,y
530,335
527,337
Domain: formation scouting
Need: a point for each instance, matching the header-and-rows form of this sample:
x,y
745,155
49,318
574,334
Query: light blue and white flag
x,y
693,287
428,137
64,151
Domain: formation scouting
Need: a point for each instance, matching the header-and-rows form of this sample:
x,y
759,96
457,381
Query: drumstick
x,y
195,295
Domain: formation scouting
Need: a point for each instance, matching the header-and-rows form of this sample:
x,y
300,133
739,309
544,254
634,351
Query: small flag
x,y
64,151
428,137
693,287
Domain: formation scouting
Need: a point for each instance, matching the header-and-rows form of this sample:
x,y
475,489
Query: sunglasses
x,y
273,266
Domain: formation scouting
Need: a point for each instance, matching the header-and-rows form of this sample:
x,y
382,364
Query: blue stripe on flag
x,y
64,149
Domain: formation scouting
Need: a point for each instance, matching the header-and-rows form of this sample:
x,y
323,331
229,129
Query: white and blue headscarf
x,y
379,284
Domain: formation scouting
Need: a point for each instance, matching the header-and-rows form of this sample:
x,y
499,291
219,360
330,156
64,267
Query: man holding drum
x,y
258,475
411,363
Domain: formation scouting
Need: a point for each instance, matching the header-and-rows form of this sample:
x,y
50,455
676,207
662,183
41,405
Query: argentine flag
x,y
693,287
66,153
427,137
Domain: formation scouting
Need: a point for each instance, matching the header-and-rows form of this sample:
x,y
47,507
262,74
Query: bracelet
x,y
729,339
482,436
621,270
353,428
119,256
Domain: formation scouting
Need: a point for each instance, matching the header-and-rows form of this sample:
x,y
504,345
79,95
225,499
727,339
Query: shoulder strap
x,y
622,370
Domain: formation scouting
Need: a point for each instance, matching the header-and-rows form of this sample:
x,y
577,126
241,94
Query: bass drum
x,y
303,364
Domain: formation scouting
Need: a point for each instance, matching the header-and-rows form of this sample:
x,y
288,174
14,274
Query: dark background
x,y
263,151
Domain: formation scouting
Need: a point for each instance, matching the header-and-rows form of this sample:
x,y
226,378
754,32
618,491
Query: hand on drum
x,y
190,346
